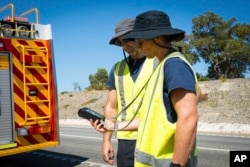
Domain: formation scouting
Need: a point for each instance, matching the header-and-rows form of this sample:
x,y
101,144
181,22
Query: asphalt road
x,y
81,147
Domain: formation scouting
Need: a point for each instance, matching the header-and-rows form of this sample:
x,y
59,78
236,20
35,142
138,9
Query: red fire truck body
x,y
28,88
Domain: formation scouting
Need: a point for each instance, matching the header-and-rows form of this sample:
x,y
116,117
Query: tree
x,y
99,80
224,45
185,47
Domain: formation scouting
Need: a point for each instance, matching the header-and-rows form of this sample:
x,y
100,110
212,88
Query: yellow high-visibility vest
x,y
155,142
127,90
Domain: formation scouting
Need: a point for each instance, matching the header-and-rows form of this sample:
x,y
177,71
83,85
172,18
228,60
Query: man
x,y
170,104
124,97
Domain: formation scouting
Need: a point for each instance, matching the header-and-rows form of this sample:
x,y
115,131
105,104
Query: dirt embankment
x,y
227,102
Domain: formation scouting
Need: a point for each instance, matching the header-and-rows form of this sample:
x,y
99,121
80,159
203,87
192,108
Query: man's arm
x,y
185,104
122,126
110,110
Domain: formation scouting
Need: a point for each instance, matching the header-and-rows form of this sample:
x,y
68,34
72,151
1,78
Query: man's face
x,y
129,46
147,47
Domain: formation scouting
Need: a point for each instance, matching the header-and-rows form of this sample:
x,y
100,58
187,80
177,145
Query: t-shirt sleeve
x,y
178,74
111,78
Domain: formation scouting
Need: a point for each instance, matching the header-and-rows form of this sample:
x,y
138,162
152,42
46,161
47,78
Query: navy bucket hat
x,y
153,23
122,28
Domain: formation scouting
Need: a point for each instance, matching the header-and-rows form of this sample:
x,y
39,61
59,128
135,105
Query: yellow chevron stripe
x,y
18,118
17,63
42,89
39,138
19,84
22,141
30,76
31,113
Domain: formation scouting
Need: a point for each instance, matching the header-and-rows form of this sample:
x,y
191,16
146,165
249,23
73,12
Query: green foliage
x,y
186,49
66,106
89,102
201,77
224,45
64,92
99,80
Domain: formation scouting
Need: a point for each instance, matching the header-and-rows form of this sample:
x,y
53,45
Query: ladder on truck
x,y
38,62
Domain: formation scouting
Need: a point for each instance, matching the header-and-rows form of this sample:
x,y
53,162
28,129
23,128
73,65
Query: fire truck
x,y
28,88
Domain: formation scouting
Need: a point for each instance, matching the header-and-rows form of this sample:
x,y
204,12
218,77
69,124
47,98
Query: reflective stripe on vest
x,y
155,142
121,88
127,90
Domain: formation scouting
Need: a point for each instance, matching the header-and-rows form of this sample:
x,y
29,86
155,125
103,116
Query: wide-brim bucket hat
x,y
153,23
123,27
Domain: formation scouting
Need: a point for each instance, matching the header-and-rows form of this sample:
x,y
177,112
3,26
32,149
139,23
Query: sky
x,y
81,29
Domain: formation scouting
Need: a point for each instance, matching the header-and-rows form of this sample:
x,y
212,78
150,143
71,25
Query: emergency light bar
x,y
16,18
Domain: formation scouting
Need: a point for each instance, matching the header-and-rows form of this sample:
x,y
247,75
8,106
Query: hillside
x,y
227,102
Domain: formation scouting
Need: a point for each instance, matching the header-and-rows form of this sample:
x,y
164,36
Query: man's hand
x,y
98,126
102,127
108,154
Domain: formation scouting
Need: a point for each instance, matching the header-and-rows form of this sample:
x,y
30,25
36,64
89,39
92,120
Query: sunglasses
x,y
122,41
139,42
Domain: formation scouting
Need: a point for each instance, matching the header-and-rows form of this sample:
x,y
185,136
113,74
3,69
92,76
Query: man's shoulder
x,y
119,62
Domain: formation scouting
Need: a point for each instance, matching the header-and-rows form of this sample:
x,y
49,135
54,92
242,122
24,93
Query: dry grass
x,y
227,102
69,103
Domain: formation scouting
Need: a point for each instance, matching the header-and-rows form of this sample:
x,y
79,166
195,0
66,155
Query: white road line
x,y
84,137
213,149
98,138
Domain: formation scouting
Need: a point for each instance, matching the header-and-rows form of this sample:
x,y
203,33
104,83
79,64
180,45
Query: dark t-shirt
x,y
134,66
177,74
